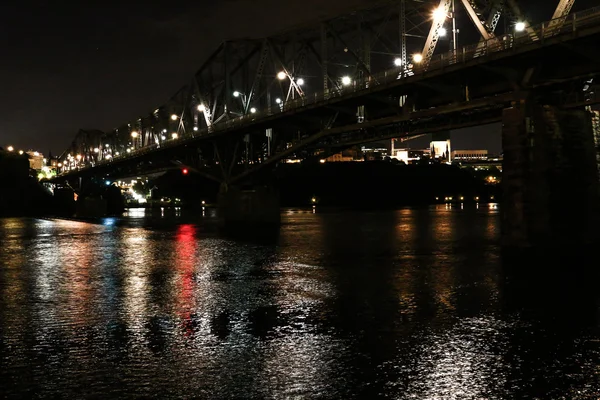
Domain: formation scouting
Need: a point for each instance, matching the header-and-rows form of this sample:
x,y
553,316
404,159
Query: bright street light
x,y
10,148
281,75
520,26
96,150
253,110
417,58
442,32
21,152
134,134
78,157
201,107
439,13
278,100
174,117
195,128
398,62
346,80
174,135
236,94
300,81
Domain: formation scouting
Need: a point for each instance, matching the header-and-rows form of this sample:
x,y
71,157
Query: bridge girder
x,y
261,78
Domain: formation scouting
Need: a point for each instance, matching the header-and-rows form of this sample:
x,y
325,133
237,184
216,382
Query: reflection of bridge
x,y
363,77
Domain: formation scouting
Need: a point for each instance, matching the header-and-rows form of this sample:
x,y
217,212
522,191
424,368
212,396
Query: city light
x,y
21,152
520,26
442,32
35,154
163,137
439,13
129,150
417,58
195,128
278,100
96,150
300,81
164,131
107,183
10,148
236,94
346,81
174,135
253,110
398,62
134,134
281,75
78,157
201,108
184,171
174,117
59,165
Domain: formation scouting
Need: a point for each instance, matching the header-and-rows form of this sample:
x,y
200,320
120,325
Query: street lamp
x,y
236,94
281,75
201,107
439,13
442,32
417,58
10,148
134,134
520,26
300,81
398,62
278,100
174,117
346,80
253,110
174,135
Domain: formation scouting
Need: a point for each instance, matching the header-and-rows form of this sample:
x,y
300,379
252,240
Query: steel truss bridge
x,y
390,71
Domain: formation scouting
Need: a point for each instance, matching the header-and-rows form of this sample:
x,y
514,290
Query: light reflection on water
x,y
406,304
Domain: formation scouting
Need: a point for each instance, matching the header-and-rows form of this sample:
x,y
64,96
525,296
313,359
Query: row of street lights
x,y
438,14
441,14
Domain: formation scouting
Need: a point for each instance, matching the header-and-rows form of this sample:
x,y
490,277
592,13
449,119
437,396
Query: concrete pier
x,y
255,206
550,182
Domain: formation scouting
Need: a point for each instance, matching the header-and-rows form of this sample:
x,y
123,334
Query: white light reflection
x,y
462,362
137,259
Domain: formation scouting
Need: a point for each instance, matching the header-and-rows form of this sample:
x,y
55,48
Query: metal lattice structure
x,y
236,98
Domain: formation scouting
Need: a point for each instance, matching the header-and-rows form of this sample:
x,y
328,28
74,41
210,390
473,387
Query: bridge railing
x,y
438,62
507,42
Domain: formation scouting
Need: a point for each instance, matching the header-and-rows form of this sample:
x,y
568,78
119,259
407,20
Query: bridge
x,y
394,70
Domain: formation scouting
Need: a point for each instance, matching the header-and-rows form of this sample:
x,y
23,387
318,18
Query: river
x,y
406,304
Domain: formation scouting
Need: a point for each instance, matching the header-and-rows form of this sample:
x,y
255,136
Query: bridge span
x,y
379,74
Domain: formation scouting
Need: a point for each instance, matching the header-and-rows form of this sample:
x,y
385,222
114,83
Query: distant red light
x,y
185,171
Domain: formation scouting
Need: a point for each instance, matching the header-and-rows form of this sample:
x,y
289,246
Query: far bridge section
x,y
372,75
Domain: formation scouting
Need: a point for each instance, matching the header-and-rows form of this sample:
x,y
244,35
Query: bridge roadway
x,y
454,90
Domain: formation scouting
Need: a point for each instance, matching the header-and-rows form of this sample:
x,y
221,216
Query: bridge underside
x,y
547,78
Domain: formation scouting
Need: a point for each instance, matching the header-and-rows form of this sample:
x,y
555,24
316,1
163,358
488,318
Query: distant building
x,y
36,160
470,155
344,156
441,149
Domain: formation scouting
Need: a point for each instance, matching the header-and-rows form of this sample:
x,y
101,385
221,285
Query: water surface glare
x,y
407,304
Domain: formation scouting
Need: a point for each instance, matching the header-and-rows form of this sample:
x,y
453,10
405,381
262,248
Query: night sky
x,y
93,65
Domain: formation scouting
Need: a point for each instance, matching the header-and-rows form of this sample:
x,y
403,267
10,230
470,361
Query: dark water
x,y
411,304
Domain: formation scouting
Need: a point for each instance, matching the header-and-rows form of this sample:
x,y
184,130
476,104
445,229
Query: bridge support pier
x,y
550,177
253,206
